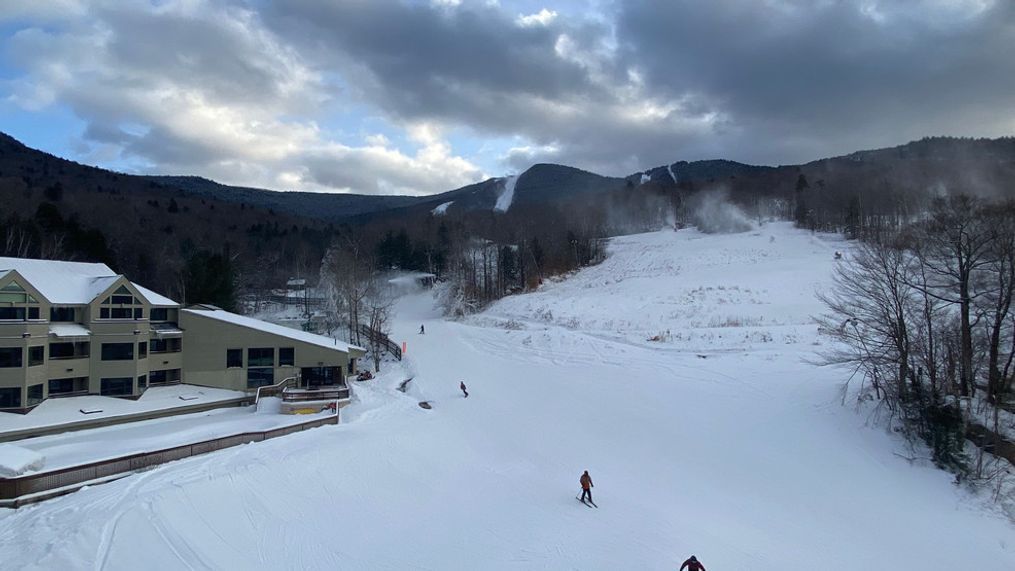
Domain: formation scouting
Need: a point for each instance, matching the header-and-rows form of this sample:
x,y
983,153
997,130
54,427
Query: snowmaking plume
x,y
713,213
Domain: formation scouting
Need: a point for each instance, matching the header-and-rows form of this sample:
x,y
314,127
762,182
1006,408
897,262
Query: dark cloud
x,y
802,79
245,91
767,81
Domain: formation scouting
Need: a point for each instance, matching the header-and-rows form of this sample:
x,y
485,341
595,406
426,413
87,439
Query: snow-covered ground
x,y
507,195
441,209
83,446
733,448
59,411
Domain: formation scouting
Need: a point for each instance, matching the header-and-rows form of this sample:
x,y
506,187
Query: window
x,y
163,377
142,349
34,394
166,345
33,313
117,351
10,398
12,313
74,385
125,306
36,355
261,357
63,314
260,377
120,312
117,386
234,358
68,350
10,358
286,357
160,314
321,376
352,366
11,288
142,382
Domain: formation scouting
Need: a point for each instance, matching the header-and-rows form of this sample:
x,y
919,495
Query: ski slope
x,y
718,440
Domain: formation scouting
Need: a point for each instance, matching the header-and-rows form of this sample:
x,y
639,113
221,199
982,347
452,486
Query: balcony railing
x,y
327,392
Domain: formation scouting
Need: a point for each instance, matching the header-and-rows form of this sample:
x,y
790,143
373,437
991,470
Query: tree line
x,y
923,311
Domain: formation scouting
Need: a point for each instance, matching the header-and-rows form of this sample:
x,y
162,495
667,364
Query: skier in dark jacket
x,y
461,385
422,331
692,564
586,482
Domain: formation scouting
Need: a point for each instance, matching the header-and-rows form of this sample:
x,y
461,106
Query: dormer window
x,y
121,305
16,304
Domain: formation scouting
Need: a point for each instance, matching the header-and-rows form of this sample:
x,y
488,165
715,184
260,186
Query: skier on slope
x,y
586,482
422,331
461,385
692,564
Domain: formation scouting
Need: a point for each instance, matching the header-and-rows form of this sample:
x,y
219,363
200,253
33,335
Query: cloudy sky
x,y
422,96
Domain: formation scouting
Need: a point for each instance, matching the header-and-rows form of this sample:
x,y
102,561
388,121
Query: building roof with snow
x,y
212,312
72,283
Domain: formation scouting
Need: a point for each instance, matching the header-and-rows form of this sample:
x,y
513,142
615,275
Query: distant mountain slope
x,y
147,226
56,208
541,183
324,206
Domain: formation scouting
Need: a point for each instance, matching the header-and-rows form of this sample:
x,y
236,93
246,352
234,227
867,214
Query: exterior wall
x,y
22,335
201,361
122,330
204,362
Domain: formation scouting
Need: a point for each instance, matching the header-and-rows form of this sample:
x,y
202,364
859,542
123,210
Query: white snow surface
x,y
645,178
442,209
72,282
57,411
745,458
84,446
669,169
17,460
507,195
273,328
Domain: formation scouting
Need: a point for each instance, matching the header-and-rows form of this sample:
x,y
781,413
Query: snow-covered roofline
x,y
72,283
272,328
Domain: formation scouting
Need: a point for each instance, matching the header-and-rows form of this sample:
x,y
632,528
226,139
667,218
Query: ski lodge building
x,y
70,328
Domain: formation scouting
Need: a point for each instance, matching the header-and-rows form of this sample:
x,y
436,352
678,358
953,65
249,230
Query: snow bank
x,y
15,460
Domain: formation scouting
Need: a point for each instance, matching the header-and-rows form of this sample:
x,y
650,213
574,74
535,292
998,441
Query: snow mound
x,y
16,461
507,195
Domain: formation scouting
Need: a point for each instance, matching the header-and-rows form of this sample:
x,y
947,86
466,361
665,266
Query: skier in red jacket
x,y
586,482
692,564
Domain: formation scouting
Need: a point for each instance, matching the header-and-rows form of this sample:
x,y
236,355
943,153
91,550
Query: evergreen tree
x,y
210,278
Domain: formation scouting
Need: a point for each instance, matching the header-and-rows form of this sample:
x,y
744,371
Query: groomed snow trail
x,y
740,455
